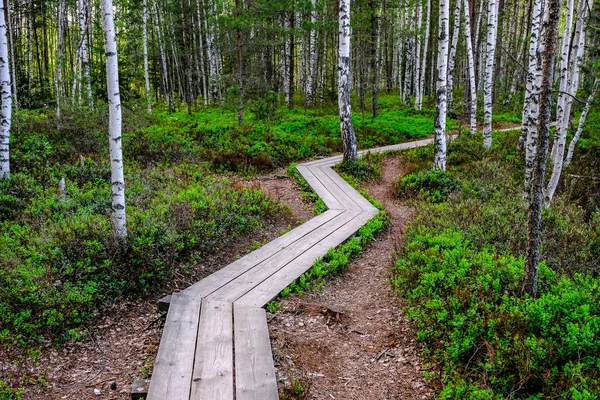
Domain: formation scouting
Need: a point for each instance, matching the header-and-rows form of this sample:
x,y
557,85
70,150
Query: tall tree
x,y
5,94
489,72
421,89
85,62
442,87
471,70
114,121
348,135
452,57
145,49
312,57
534,218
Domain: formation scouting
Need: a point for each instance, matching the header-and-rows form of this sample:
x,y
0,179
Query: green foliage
x,y
8,393
433,185
367,168
461,273
488,340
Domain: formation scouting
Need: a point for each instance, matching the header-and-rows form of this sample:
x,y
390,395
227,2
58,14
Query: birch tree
x,y
6,95
114,122
452,56
421,89
582,120
85,62
489,72
145,48
60,55
348,136
471,67
569,84
534,218
312,57
442,87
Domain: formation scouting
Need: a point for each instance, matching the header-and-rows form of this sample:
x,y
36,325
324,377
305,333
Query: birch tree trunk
x,y
114,123
421,90
201,53
85,62
312,57
532,67
348,136
441,87
145,45
5,94
489,73
418,71
534,220
582,119
375,57
12,54
60,56
213,65
471,64
452,57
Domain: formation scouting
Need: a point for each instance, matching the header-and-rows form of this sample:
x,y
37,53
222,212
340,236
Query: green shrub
x,y
488,340
433,185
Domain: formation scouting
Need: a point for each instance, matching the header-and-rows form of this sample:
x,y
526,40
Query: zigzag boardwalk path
x,y
215,342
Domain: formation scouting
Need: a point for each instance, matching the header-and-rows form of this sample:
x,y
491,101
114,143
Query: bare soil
x,y
350,340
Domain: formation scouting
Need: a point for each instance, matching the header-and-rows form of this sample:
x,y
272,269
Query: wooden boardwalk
x,y
215,344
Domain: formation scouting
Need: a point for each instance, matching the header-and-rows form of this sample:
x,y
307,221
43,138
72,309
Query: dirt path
x,y
368,351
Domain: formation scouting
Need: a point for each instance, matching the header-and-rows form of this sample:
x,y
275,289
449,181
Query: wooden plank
x,y
337,192
270,289
335,159
228,273
172,376
347,188
213,365
319,188
244,283
254,371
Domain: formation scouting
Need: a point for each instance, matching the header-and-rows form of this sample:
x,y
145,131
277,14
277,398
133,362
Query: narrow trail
x,y
369,351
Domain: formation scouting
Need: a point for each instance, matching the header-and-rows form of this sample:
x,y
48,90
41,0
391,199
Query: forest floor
x,y
367,350
350,339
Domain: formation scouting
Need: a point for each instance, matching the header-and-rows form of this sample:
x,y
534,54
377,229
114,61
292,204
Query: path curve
x,y
215,344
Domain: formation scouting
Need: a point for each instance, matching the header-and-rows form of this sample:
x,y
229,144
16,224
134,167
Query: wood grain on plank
x,y
213,365
245,282
254,371
228,273
172,376
319,188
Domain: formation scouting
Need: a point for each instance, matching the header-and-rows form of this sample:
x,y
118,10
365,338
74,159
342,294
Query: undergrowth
x,y
461,272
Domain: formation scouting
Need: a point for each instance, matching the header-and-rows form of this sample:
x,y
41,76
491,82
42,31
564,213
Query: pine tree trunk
x,y
348,136
452,58
534,220
114,124
5,94
489,73
471,62
145,45
442,87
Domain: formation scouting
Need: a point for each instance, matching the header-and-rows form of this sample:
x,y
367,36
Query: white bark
x,y
145,45
452,55
471,64
201,53
569,84
442,87
408,66
85,62
582,119
5,93
12,54
417,77
421,89
284,62
348,135
213,65
114,122
489,72
60,55
312,57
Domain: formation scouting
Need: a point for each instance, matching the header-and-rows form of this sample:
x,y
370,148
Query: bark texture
x,y
5,93
348,135
442,87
